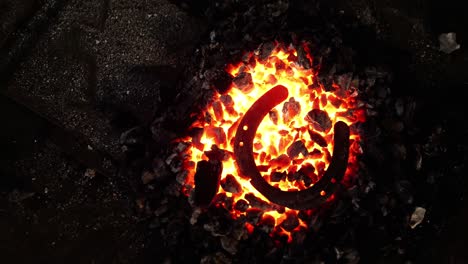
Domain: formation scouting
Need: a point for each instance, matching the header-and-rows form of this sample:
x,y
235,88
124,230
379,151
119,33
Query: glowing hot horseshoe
x,y
243,153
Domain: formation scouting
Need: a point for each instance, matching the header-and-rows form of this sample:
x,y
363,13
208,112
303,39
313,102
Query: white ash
x,y
90,173
417,217
448,42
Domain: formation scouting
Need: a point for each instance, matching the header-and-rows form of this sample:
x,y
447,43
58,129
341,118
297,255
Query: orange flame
x,y
277,132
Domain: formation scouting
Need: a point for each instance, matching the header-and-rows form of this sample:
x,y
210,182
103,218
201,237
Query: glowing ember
x,y
293,144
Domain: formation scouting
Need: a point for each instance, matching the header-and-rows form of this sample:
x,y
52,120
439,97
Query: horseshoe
x,y
243,154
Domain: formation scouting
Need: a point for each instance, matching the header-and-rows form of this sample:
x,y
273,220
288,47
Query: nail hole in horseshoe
x,y
245,128
241,144
323,193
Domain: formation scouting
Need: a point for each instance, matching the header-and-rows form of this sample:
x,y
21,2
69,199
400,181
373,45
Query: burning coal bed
x,y
275,146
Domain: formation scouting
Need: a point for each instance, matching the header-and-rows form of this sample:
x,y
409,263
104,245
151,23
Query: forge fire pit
x,y
276,142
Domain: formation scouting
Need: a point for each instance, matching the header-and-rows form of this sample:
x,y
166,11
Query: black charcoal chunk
x,y
207,178
319,120
290,110
230,184
296,148
317,138
277,176
244,82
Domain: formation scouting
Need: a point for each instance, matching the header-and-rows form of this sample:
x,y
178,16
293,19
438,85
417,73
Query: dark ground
x,y
76,74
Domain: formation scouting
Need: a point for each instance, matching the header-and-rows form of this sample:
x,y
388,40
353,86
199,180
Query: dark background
x,y
77,74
